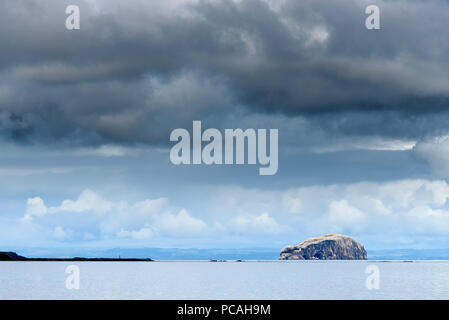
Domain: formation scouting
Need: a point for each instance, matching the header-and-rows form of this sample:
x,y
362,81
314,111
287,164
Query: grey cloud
x,y
137,70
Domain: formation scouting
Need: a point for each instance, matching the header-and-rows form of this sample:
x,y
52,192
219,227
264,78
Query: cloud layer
x,y
405,210
133,73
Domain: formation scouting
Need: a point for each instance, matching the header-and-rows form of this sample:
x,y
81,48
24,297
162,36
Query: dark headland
x,y
12,256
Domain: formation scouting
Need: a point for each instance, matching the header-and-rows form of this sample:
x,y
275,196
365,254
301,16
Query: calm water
x,y
225,280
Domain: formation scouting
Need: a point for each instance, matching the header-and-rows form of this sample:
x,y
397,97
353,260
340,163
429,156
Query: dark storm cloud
x,y
138,69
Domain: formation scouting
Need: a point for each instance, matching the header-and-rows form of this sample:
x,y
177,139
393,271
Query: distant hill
x,y
10,256
409,254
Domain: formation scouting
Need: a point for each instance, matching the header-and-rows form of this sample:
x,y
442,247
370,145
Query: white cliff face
x,y
327,247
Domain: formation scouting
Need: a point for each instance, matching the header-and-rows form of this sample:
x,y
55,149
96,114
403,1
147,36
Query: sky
x,y
86,117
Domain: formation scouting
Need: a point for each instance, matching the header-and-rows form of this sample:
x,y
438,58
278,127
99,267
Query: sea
x,y
225,280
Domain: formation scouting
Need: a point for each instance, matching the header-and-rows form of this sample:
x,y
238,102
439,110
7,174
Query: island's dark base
x,y
12,256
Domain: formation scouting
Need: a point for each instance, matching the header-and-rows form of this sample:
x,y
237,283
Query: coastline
x,y
12,256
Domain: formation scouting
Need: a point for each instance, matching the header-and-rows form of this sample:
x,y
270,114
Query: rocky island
x,y
327,247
